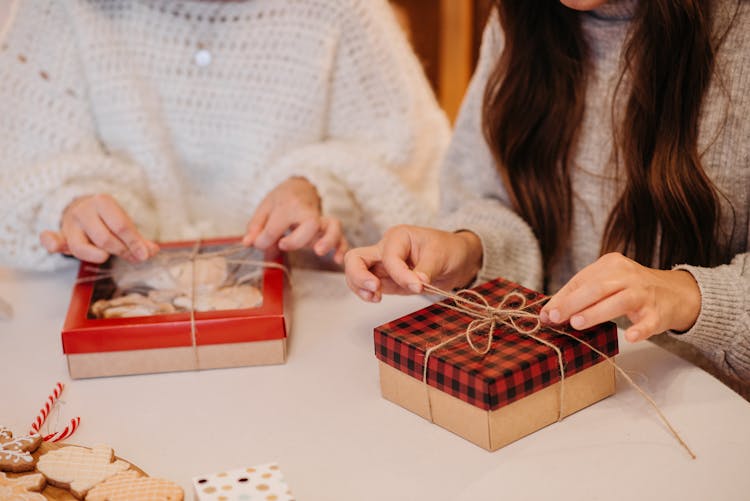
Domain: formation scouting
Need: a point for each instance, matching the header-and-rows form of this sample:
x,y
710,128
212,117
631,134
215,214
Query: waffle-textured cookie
x,y
78,469
25,488
15,453
130,486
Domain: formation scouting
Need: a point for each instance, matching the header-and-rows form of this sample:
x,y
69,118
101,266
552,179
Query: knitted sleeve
x,y
376,163
50,151
722,330
472,194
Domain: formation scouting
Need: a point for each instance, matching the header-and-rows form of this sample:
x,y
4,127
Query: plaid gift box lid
x,y
515,366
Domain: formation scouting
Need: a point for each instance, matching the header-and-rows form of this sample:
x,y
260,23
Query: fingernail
x,y
577,322
543,317
632,336
46,242
370,285
366,295
246,241
423,277
554,316
141,253
415,288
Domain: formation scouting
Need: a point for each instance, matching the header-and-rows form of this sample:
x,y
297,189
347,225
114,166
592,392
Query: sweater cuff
x,y
509,249
722,303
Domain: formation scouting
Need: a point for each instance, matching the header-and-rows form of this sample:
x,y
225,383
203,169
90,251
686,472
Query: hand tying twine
x,y
487,317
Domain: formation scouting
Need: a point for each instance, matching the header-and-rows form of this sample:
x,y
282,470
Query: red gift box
x,y
495,398
164,342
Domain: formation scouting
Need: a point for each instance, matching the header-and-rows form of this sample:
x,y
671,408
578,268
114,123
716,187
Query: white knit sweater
x,y
108,96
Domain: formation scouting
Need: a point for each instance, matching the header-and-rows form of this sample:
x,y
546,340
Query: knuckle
x,y
106,241
119,226
611,259
396,231
102,199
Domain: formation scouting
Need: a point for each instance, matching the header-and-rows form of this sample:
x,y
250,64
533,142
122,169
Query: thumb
x,y
53,241
428,267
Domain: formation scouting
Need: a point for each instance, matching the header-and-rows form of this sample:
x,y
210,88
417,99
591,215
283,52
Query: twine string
x,y
486,317
193,338
192,256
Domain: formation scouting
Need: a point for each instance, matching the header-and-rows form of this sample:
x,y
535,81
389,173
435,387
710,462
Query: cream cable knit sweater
x,y
107,96
474,196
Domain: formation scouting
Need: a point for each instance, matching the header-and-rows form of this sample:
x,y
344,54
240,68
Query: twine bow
x,y
486,318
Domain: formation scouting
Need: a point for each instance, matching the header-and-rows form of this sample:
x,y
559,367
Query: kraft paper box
x,y
114,328
497,398
258,483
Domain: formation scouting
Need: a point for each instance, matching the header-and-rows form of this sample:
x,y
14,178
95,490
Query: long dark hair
x,y
533,107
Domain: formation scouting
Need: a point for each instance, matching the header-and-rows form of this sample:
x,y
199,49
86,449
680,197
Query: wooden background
x,y
446,35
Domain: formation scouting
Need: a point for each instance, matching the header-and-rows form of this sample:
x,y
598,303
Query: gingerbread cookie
x,y
130,486
15,453
20,489
79,469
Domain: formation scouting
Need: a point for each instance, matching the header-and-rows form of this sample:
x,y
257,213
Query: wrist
x,y
472,256
689,303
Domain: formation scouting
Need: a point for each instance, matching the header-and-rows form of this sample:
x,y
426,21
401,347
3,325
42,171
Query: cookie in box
x,y
196,305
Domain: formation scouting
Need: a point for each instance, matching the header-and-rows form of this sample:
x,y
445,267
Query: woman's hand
x,y
409,256
654,300
94,227
294,206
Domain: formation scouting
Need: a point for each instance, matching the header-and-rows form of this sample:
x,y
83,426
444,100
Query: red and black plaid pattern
x,y
515,366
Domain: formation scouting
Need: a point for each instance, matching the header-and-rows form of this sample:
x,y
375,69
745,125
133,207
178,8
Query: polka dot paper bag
x,y
259,483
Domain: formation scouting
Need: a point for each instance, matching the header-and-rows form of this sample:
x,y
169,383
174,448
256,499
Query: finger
x,y
341,251
81,247
256,223
53,242
622,303
99,234
587,287
644,328
153,248
301,236
395,252
123,228
357,263
276,224
428,266
331,237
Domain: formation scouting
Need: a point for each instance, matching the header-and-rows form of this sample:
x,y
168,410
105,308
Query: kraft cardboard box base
x,y
497,428
219,356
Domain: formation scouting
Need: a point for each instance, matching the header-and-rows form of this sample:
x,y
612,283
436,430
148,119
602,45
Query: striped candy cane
x,y
36,426
65,433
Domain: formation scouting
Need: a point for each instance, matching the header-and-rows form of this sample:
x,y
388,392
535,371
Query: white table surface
x,y
321,417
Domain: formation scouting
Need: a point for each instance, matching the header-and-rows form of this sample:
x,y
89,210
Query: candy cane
x,y
36,426
65,433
